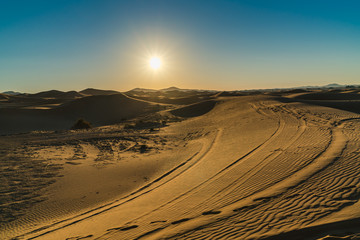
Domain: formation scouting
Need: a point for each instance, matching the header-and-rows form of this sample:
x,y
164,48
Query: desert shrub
x,y
139,123
81,124
143,148
129,126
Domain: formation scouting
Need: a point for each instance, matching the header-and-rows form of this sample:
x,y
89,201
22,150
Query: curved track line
x,y
224,171
262,164
227,168
331,154
114,204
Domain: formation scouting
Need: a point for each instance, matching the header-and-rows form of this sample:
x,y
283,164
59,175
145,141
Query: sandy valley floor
x,y
253,167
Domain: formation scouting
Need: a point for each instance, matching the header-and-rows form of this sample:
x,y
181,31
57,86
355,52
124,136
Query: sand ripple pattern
x,y
323,191
306,167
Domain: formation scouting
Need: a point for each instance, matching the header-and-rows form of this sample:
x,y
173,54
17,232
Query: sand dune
x,y
176,97
339,95
56,94
47,94
94,92
106,109
194,110
99,110
340,100
3,96
246,167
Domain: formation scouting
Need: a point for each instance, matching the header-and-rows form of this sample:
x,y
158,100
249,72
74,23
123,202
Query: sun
x,y
155,63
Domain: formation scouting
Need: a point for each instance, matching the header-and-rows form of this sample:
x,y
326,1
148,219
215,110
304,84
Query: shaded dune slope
x,y
172,97
343,101
99,110
106,109
24,120
195,109
56,94
329,96
317,232
47,94
94,92
71,95
3,96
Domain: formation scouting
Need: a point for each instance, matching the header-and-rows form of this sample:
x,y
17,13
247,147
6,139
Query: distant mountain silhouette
x,y
142,90
172,89
332,85
12,93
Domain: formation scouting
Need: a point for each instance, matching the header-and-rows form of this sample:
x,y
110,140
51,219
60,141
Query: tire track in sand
x,y
276,133
132,196
189,229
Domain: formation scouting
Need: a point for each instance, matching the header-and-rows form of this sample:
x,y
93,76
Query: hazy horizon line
x,y
180,88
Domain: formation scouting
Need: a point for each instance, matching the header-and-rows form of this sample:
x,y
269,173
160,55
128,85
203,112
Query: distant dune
x,y
57,94
98,109
3,96
106,109
12,93
172,96
334,95
295,91
334,99
195,109
93,92
47,94
71,95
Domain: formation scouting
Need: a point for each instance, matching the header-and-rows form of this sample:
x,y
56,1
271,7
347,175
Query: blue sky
x,y
223,45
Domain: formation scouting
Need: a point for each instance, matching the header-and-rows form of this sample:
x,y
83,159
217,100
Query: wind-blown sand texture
x,y
247,167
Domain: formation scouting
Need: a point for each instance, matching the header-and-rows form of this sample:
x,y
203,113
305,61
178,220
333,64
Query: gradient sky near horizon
x,y
205,44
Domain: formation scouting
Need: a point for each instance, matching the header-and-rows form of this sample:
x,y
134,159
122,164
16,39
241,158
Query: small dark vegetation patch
x,y
81,124
129,126
143,148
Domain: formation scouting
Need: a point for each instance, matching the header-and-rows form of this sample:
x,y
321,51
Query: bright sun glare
x,y
155,63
